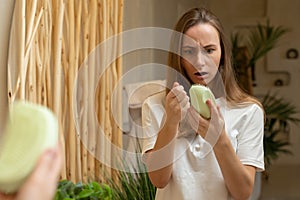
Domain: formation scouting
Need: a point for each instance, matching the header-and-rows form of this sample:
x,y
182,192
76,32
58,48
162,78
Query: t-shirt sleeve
x,y
250,139
152,114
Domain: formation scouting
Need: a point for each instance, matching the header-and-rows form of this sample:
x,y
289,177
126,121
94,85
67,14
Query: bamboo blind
x,y
49,41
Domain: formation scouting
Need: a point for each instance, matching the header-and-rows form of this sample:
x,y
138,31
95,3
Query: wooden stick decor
x,y
50,41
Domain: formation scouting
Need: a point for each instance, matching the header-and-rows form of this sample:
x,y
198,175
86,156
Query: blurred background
x,y
277,72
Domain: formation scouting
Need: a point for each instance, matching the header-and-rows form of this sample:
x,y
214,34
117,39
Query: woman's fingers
x,y
216,125
42,182
50,161
185,105
178,92
198,123
209,129
177,103
214,109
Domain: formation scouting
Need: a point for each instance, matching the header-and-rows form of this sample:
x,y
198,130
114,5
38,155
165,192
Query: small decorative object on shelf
x,y
292,53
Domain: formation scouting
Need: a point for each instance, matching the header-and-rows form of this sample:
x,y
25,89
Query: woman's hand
x,y
177,104
160,159
42,182
209,129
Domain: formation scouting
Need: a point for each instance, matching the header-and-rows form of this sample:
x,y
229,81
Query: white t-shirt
x,y
195,175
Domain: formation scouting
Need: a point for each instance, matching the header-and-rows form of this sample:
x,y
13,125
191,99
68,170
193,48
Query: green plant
x,y
251,46
130,183
279,115
134,186
262,39
67,190
133,181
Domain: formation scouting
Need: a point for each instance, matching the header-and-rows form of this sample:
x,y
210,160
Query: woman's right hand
x,y
177,104
160,159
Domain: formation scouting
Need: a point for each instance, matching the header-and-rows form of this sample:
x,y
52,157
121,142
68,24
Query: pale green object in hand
x,y
30,129
199,95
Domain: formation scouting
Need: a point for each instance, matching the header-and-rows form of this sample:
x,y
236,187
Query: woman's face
x,y
201,53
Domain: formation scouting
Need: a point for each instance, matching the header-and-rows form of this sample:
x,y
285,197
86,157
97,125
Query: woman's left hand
x,y
209,129
42,182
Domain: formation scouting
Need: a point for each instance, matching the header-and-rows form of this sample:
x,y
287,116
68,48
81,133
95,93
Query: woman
x,y
188,156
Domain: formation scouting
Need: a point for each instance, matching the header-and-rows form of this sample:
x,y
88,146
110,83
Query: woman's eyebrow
x,y
195,46
209,45
188,46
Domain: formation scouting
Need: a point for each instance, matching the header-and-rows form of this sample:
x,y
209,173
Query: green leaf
x,y
85,193
262,39
96,186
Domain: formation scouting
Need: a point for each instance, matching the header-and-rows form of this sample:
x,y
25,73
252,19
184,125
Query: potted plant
x,y
279,115
247,49
133,184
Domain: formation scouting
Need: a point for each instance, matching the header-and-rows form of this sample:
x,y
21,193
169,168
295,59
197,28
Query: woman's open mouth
x,y
200,74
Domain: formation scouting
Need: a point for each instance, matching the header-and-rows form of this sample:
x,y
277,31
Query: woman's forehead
x,y
201,34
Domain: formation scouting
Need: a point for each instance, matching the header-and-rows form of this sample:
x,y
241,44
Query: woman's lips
x,y
200,74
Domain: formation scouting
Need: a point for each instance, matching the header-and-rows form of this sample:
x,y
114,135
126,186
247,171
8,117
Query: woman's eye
x,y
209,51
188,51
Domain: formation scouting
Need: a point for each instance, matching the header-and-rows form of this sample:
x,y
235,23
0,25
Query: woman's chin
x,y
200,81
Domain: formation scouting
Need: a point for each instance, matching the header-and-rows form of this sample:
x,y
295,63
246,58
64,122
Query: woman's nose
x,y
199,59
